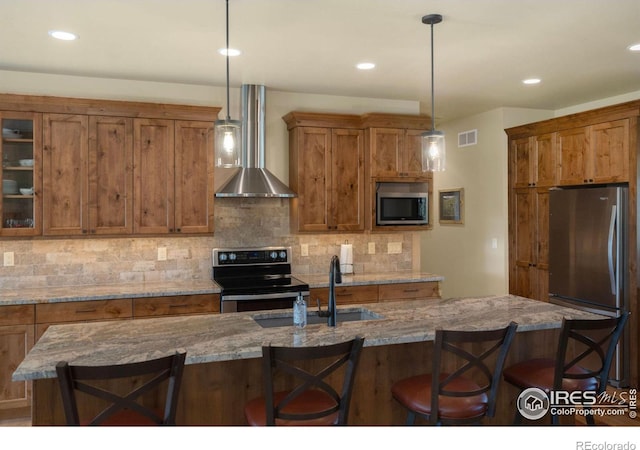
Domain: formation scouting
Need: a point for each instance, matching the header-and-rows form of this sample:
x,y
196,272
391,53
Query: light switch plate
x,y
372,248
394,247
162,253
8,259
304,249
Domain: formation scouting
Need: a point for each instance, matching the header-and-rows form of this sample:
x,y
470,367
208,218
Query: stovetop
x,y
255,270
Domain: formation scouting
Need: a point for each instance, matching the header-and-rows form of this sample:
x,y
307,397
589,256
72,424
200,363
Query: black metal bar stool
x,y
122,409
463,396
313,401
587,338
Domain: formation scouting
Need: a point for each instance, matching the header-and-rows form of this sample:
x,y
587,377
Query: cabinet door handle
x,y
410,290
345,294
87,310
183,305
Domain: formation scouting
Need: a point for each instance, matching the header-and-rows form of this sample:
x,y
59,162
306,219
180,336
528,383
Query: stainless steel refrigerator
x,y
588,267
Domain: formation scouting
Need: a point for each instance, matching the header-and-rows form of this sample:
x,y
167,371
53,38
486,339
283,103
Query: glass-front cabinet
x,y
20,150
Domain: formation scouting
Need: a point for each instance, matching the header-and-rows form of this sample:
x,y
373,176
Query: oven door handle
x,y
276,295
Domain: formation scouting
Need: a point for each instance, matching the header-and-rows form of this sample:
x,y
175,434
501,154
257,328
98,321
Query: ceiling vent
x,y
467,138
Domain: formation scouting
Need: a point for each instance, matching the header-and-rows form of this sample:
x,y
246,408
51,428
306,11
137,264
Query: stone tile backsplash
x,y
239,223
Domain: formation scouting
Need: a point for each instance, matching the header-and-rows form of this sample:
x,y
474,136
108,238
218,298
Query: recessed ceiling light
x,y
531,81
232,52
365,66
634,48
63,35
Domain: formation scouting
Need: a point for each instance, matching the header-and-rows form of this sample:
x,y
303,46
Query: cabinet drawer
x,y
16,314
345,295
407,291
176,305
83,311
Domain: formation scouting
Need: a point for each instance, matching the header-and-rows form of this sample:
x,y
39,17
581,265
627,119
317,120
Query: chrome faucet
x,y
335,276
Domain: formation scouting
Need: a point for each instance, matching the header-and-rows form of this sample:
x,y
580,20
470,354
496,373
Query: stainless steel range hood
x,y
253,179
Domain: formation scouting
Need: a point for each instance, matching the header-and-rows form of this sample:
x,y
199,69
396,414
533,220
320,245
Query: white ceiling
x,y
483,48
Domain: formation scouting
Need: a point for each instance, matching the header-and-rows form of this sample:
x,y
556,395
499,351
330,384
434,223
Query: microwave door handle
x,y
612,226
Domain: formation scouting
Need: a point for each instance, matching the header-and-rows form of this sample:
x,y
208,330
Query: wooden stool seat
x,y
415,393
310,401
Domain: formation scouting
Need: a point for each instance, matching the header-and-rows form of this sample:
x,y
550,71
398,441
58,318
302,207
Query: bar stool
x,y
313,401
589,337
121,409
456,397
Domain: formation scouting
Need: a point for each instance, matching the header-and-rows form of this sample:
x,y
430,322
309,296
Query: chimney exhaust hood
x,y
253,179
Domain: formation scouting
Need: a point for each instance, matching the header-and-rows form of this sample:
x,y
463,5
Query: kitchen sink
x,y
285,319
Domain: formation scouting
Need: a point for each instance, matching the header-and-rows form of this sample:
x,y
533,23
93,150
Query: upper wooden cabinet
x,y
65,172
395,152
334,157
108,168
534,161
591,147
326,170
594,154
21,154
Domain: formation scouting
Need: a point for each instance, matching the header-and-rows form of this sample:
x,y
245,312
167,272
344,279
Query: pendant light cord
x,y
227,23
433,98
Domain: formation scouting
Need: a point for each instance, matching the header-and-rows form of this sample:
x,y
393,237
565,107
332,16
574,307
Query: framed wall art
x,y
452,206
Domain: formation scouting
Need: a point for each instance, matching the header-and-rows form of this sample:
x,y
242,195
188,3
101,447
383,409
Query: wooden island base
x,y
215,393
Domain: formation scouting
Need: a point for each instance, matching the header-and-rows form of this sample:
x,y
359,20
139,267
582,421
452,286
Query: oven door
x,y
258,302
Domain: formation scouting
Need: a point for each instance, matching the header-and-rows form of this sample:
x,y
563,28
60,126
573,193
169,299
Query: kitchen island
x,y
223,352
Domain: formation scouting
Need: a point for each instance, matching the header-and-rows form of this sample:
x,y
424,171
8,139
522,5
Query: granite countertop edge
x,y
58,294
210,338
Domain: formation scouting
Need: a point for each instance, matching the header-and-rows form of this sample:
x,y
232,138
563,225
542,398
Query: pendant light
x,y
433,146
227,131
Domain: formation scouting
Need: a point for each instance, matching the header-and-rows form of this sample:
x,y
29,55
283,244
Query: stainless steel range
x,y
254,279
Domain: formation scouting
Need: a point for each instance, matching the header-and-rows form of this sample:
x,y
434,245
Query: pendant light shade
x,y
433,145
228,132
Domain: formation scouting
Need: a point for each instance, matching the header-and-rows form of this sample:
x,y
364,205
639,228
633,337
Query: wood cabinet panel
x,y
408,291
347,180
327,172
610,141
110,175
544,170
16,314
153,156
345,295
15,343
65,169
176,305
194,168
83,311
395,152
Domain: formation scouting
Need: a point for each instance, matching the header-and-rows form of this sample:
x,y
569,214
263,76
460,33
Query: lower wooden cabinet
x,y
176,305
408,291
375,293
16,339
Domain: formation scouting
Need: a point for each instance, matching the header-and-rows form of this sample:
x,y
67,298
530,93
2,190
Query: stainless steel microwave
x,y
402,203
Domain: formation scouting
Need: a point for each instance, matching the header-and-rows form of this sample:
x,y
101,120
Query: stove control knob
x,y
222,257
283,255
232,256
273,255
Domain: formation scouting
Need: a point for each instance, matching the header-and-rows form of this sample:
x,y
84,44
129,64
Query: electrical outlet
x,y
494,243
8,259
394,247
372,248
162,253
304,249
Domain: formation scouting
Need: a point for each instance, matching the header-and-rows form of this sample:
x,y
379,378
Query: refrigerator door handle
x,y
612,227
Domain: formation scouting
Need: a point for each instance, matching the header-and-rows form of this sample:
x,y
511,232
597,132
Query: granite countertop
x,y
210,338
31,296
